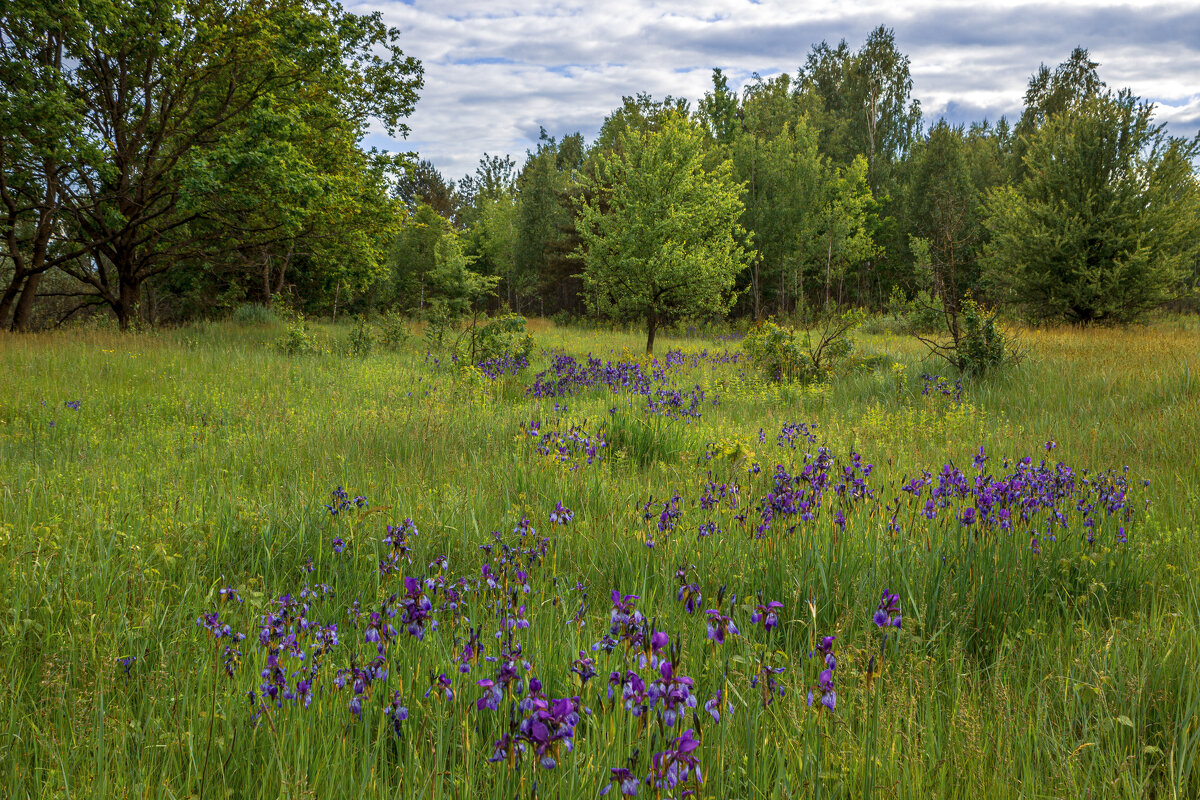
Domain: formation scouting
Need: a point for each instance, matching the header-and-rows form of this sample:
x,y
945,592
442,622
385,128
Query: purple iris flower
x,y
674,692
768,614
677,764
561,515
720,626
624,778
492,695
689,594
713,705
888,612
828,695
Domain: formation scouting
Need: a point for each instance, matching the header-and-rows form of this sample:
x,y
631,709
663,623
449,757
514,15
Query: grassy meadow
x,y
1053,654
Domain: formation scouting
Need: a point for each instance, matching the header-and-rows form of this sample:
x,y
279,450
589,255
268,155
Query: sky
x,y
497,71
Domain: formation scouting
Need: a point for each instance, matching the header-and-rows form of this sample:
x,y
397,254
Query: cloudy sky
x,y
497,70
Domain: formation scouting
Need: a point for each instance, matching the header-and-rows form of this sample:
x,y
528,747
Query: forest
x,y
160,164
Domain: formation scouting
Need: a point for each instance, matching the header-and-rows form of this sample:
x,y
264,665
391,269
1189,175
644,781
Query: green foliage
x,y
361,339
430,268
393,330
544,258
496,233
866,99
660,234
170,150
847,219
414,257
984,345
438,322
972,340
787,184
920,314
299,339
501,337
452,282
941,204
807,356
1105,224
421,184
1052,93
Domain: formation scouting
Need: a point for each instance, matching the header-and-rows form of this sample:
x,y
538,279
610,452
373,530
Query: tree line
x,y
168,159
164,158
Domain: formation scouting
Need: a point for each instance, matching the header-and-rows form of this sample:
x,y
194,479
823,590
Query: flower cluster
x,y
575,448
937,385
823,692
508,364
342,501
504,628
567,375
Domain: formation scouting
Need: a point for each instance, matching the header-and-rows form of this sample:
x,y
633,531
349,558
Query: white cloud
x,y
496,70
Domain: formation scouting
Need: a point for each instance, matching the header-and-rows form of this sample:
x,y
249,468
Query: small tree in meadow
x,y
661,237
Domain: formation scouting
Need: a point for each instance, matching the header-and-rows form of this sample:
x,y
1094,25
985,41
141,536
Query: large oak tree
x,y
155,90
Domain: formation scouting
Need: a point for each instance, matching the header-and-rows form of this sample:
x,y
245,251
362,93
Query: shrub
x,y
976,344
284,308
298,339
502,337
807,356
361,340
983,345
393,330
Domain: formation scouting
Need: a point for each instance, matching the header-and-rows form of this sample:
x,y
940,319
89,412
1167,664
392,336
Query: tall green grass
x,y
202,457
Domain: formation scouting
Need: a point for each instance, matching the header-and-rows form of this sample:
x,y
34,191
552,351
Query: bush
x,y
983,345
502,337
976,344
298,339
808,356
921,314
393,330
361,339
285,308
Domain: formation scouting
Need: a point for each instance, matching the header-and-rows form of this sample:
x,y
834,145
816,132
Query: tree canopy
x,y
162,160
661,237
1105,225
173,120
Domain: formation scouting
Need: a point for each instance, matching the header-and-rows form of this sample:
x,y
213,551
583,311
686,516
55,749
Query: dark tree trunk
x,y
283,271
651,328
24,310
7,300
127,305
